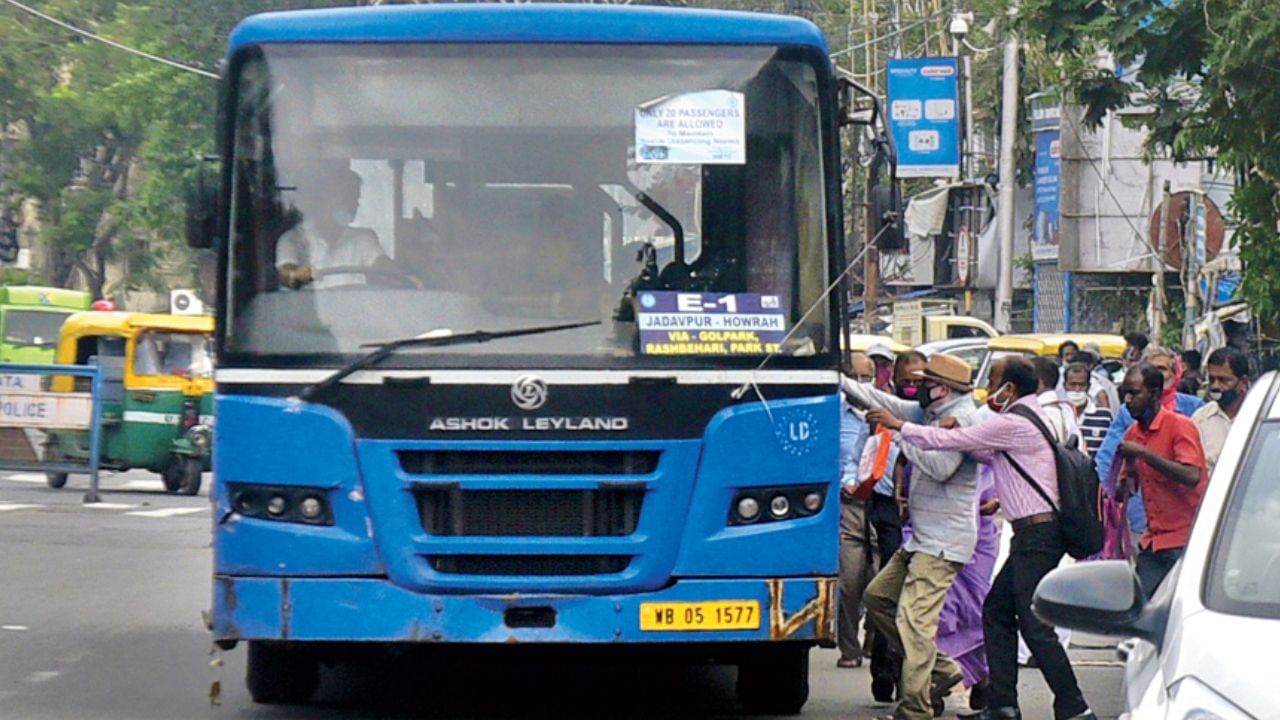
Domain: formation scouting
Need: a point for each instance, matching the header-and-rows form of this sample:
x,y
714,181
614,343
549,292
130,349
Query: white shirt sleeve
x,y
291,248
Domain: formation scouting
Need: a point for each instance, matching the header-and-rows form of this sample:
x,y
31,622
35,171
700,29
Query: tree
x,y
109,140
1208,72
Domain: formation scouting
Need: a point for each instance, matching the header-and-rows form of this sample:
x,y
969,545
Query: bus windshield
x,y
675,195
33,328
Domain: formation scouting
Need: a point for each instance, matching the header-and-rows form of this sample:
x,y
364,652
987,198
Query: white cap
x,y
881,350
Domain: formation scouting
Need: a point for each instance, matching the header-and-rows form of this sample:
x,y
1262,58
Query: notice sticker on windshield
x,y
705,128
679,323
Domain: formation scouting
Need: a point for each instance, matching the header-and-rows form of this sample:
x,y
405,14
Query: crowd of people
x,y
937,492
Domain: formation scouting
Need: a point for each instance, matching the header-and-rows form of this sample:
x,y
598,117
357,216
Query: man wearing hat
x,y
906,597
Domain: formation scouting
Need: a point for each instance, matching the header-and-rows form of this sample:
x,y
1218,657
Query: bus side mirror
x,y
860,106
886,216
202,208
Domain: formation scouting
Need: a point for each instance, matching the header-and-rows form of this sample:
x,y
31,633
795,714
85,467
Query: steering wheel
x,y
373,275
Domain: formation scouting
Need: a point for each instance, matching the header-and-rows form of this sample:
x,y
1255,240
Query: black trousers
x,y
882,511
1035,551
1153,565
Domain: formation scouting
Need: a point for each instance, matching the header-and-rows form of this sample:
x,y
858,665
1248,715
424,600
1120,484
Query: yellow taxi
x,y
1042,345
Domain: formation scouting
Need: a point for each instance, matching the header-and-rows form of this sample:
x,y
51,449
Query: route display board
x,y
683,323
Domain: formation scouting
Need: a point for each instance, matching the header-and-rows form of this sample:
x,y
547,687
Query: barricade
x,y
29,408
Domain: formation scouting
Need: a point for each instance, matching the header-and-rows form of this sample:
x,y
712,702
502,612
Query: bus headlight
x,y
307,505
787,502
748,509
779,506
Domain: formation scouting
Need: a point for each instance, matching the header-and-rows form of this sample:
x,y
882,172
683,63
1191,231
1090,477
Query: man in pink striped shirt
x,y
1037,545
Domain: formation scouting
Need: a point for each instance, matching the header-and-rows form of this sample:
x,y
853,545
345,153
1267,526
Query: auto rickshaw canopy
x,y
130,326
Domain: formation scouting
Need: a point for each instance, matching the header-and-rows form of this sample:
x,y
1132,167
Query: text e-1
x,y
692,302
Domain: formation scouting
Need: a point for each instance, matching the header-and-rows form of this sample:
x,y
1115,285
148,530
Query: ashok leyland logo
x,y
529,392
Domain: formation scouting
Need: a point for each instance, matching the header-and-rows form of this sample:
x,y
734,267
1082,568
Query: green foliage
x,y
109,141
1210,74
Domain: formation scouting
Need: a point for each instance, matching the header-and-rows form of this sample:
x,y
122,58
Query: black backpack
x,y
1079,492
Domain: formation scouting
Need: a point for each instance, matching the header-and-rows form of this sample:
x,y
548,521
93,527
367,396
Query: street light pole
x,y
1008,175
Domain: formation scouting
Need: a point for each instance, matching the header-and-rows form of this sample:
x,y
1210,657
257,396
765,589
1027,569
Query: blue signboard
x,y
1044,231
924,116
679,323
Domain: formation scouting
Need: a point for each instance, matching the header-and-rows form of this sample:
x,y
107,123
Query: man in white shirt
x,y
1228,371
325,239
1101,388
1061,416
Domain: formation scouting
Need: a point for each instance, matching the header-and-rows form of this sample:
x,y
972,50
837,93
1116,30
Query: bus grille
x,y
610,512
529,564
528,462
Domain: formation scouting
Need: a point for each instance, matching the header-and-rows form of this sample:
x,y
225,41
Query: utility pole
x,y
1008,174
1157,280
871,259
1193,242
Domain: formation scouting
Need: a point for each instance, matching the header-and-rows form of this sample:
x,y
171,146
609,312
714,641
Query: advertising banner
x,y
1044,231
681,323
924,115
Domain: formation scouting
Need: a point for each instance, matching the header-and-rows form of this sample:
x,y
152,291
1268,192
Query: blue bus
x,y
525,336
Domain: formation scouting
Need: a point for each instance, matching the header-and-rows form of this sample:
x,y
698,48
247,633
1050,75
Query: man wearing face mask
x,y
1092,419
1062,420
1169,365
905,598
1162,450
882,507
857,536
1038,545
1228,374
326,239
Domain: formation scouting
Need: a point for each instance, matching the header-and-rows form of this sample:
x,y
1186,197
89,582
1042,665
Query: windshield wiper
x,y
384,350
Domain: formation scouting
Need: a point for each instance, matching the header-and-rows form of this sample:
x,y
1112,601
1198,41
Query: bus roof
x,y
49,298
501,23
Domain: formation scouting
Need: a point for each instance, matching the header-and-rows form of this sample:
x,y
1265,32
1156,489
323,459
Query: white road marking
x,y
110,506
166,512
143,485
33,478
14,628
43,676
4,506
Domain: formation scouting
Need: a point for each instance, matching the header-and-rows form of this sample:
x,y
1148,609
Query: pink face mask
x,y
883,376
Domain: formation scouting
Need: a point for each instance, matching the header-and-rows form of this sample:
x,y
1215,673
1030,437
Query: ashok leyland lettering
x,y
516,346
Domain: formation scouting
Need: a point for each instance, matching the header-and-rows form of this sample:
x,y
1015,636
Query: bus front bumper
x,y
375,610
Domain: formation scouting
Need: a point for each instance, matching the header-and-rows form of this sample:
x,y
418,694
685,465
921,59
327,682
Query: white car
x,y
1204,647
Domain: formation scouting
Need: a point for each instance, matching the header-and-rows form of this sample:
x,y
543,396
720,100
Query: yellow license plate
x,y
694,616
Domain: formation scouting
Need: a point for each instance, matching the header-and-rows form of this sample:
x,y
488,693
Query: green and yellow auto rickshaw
x,y
157,394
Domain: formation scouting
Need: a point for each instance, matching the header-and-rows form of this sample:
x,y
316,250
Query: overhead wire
x,y
112,43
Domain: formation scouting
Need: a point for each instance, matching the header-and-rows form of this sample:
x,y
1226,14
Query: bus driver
x,y
325,239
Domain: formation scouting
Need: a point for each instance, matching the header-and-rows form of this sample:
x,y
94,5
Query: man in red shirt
x,y
1162,451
